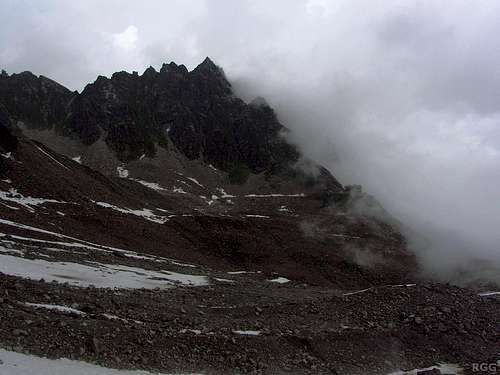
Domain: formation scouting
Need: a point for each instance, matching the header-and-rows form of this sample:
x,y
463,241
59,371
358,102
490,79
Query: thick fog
x,y
402,97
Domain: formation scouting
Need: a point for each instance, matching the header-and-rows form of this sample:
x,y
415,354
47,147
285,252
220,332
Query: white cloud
x,y
127,39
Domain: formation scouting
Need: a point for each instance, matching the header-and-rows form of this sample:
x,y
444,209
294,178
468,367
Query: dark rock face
x,y
195,110
37,101
8,142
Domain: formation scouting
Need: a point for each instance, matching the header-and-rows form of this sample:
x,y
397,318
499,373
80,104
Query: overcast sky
x,y
402,97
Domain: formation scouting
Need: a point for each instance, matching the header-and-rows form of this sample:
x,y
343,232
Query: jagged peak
x,y
173,67
165,68
4,73
101,79
208,66
25,74
150,71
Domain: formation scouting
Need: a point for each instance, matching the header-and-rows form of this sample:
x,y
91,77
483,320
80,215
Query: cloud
x,y
401,97
127,39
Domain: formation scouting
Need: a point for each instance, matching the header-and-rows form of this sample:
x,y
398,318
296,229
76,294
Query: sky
x,y
402,97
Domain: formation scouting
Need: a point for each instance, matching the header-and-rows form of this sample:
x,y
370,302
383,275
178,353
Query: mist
x,y
400,97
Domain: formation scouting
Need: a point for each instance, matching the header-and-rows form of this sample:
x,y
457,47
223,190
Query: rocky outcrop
x,y
36,101
197,111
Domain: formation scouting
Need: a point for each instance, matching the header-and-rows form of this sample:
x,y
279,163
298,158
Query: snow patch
x,y
224,280
487,294
195,331
357,292
13,363
223,193
183,264
275,195
145,213
195,181
259,216
13,196
179,190
58,308
122,172
279,280
248,333
8,155
78,159
151,185
81,244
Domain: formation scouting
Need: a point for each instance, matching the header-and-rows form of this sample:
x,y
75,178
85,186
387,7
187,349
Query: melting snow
x,y
144,213
224,280
115,317
58,308
403,285
195,181
8,155
78,244
274,195
248,333
179,190
7,181
357,292
445,368
241,272
223,193
12,208
13,363
151,185
279,280
96,274
122,172
8,250
195,331
78,159
486,294
183,264
13,196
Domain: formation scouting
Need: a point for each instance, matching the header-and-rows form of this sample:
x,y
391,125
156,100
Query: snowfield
x,y
95,274
12,363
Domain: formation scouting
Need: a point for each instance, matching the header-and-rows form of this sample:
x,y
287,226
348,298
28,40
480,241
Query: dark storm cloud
x,y
401,97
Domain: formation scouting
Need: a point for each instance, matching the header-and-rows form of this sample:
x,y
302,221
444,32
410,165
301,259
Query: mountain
x,y
159,222
133,114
